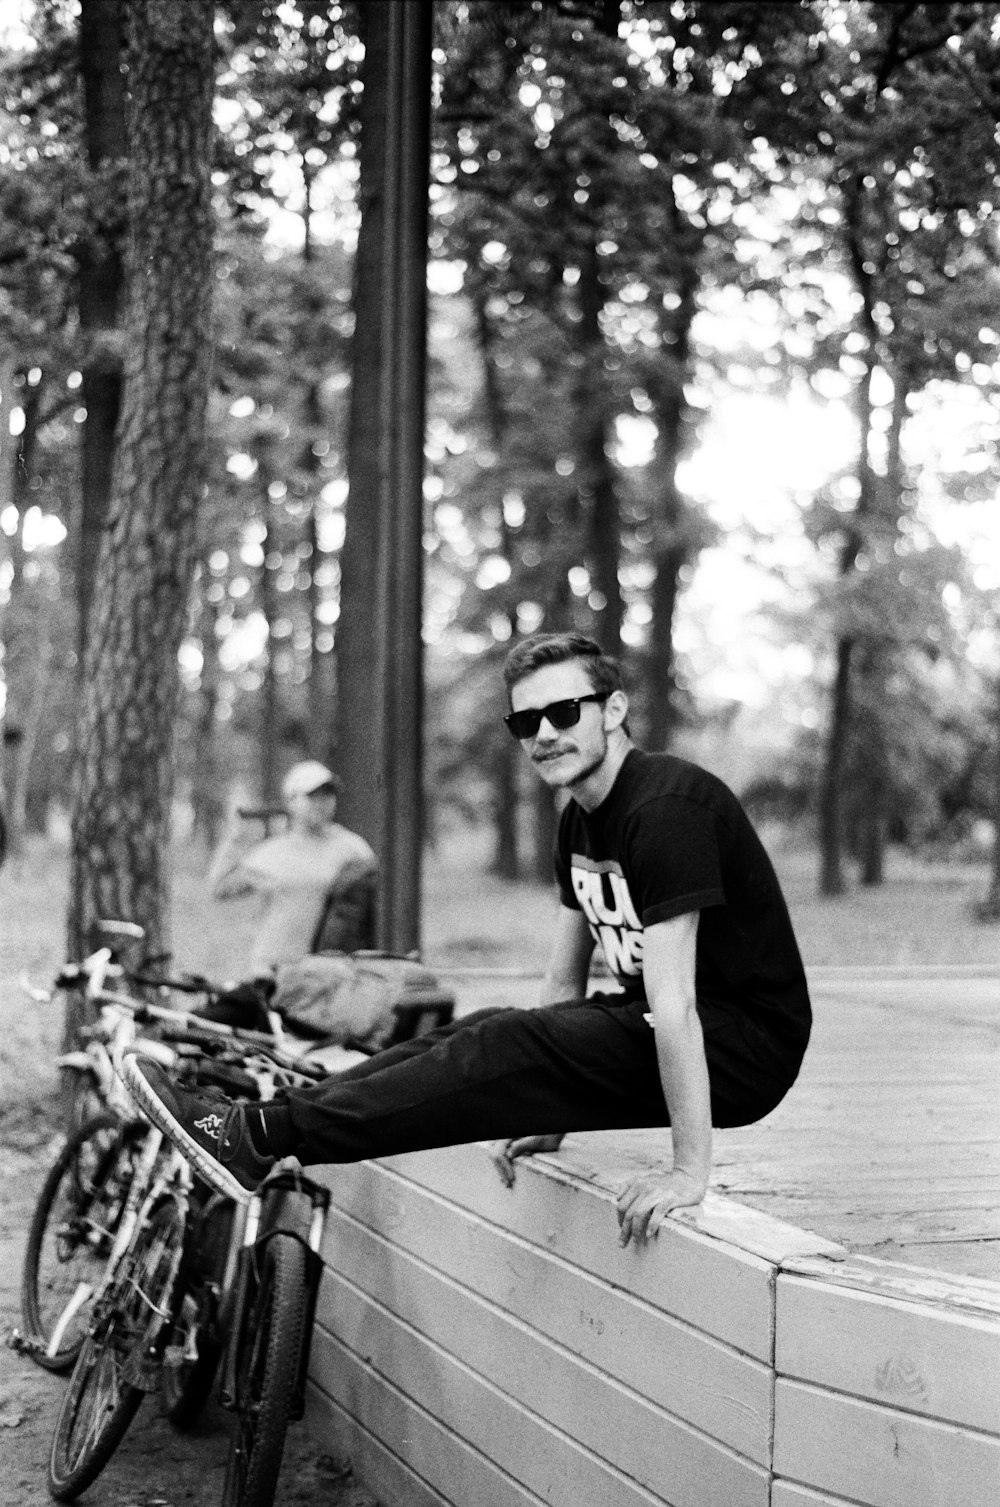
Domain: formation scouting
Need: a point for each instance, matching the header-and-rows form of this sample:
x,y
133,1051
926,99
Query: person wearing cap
x,y
706,1025
303,875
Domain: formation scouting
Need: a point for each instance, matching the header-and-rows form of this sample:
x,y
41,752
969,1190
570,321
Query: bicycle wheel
x,y
82,1093
268,1364
112,1369
71,1232
195,1343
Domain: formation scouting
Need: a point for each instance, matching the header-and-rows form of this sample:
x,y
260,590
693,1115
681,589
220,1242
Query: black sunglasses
x,y
560,714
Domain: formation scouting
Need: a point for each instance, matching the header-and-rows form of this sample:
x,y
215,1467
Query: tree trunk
x,y
888,497
27,632
124,782
831,816
269,727
546,822
100,273
207,785
320,736
841,708
504,764
874,782
670,550
506,803
660,689
597,486
379,633
989,910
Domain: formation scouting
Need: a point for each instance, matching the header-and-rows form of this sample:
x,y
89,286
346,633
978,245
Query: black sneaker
x,y
210,1130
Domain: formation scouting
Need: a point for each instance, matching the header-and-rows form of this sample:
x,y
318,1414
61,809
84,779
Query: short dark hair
x,y
531,654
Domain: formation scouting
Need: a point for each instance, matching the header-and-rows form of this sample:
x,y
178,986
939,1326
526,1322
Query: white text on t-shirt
x,y
604,898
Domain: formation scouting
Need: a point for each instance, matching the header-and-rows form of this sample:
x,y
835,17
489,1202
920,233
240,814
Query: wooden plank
x,y
921,1243
663,1461
868,1227
971,1257
440,1461
966,1159
372,1462
771,1139
696,1278
609,1159
879,1455
724,1292
695,1377
917,1103
906,1283
621,1417
947,1199
912,1355
790,1494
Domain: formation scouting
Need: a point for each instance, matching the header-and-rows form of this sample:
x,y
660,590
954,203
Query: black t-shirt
x,y
671,838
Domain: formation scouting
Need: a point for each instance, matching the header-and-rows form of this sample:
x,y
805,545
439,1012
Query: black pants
x,y
580,1065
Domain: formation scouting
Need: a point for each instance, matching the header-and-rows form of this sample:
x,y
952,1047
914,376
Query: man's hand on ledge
x,y
646,1202
504,1153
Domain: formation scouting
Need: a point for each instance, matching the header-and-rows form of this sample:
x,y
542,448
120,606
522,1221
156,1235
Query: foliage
x,y
638,211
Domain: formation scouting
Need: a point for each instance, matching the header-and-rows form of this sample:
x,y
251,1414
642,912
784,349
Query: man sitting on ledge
x,y
657,861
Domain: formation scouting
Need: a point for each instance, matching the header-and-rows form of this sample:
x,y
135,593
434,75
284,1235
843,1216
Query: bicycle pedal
x,y
142,1369
175,1356
24,1344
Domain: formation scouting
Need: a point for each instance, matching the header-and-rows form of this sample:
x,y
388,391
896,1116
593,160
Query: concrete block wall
x,y
483,1347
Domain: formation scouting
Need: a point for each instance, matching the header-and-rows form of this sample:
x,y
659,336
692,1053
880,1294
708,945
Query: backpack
x,y
368,999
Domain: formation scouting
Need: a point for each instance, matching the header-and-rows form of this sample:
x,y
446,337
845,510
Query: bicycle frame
x,y
149,1188
144,1191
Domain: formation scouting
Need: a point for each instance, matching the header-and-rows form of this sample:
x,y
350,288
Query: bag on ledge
x,y
365,998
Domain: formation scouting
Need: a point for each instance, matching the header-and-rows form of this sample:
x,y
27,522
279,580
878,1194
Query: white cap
x,y
308,777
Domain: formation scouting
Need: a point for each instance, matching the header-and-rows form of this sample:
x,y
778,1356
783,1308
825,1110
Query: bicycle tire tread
x,y
67,1483
277,1342
35,1321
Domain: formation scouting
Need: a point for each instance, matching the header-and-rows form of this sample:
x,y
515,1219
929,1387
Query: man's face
x,y
314,812
562,758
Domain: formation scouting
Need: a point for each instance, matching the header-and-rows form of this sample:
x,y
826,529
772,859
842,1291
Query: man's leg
x,y
414,1046
582,1065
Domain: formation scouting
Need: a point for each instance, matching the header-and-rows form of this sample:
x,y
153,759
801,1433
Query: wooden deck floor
x,y
889,1143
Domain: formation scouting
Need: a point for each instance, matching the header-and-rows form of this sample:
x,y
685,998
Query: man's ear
x,y
615,710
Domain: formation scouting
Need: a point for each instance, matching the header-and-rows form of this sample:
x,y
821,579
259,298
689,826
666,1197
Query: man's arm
x,y
668,967
569,958
565,978
226,878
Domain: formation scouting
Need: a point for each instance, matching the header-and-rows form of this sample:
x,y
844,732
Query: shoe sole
x,y
203,1162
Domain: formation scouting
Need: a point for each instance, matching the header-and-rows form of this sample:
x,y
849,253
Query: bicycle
x,y
258,1324
269,1332
263,1312
118,1358
197,1285
89,1078
84,1195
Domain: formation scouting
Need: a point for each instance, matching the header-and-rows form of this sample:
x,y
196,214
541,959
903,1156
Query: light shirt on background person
x,y
294,872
